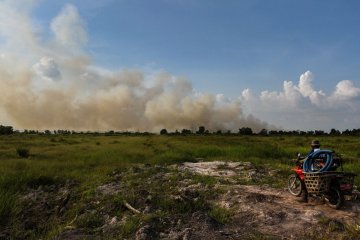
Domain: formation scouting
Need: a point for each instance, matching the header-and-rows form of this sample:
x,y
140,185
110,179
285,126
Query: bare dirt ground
x,y
274,211
257,211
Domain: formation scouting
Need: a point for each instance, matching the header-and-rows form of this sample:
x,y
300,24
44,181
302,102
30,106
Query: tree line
x,y
8,130
263,132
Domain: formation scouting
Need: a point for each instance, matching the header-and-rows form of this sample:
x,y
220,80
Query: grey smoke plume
x,y
52,85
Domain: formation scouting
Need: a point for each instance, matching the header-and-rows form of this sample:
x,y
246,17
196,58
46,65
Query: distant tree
x,y
245,131
263,132
218,132
47,132
333,131
163,131
31,132
273,132
355,132
186,132
201,130
319,132
346,132
6,130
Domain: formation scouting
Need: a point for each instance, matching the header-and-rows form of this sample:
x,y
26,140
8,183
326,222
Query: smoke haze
x,y
51,84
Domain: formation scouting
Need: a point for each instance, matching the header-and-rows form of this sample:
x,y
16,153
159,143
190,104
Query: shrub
x,y
130,225
23,152
35,182
90,220
221,215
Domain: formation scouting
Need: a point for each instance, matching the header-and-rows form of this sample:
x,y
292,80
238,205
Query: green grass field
x,y
88,160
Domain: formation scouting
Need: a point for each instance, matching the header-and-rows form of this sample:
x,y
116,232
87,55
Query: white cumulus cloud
x,y
306,89
346,90
289,97
301,106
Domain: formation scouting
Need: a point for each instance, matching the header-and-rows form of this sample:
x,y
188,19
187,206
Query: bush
x,y
23,152
35,182
90,221
130,225
221,215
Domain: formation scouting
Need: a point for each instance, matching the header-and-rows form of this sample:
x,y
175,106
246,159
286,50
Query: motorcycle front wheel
x,y
334,198
295,185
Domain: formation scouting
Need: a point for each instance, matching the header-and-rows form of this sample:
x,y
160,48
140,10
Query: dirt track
x,y
275,211
278,213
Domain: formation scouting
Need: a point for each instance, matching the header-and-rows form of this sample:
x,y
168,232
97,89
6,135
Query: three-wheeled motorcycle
x,y
318,174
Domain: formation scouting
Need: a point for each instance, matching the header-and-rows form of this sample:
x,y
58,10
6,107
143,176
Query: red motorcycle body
x,y
299,171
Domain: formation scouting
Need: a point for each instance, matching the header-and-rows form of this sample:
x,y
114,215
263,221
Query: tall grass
x,y
7,206
80,157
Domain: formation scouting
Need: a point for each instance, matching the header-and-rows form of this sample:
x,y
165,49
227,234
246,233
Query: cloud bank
x,y
300,106
50,83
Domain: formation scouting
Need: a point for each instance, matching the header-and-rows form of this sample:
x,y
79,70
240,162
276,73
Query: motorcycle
x,y
329,185
295,182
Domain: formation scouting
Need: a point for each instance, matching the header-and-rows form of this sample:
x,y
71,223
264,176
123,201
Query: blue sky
x,y
239,50
225,45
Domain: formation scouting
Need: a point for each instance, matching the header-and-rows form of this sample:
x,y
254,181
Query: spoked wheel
x,y
295,185
335,198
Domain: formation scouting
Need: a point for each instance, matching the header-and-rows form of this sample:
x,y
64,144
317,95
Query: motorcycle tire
x,y
334,198
295,185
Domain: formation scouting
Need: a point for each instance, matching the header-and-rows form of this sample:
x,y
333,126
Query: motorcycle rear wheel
x,y
295,185
335,198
